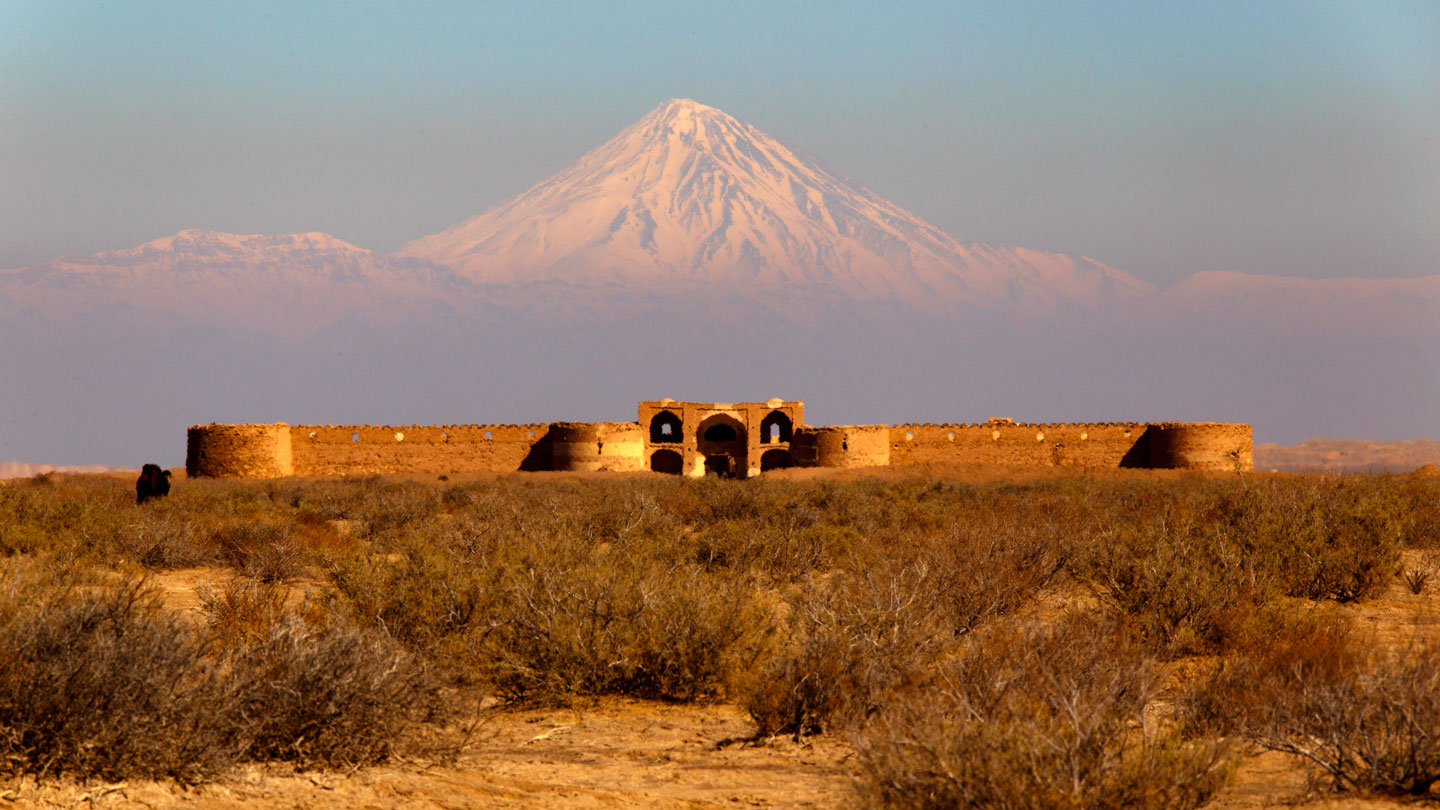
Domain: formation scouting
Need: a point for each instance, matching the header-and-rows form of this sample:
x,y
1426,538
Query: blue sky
x,y
1164,139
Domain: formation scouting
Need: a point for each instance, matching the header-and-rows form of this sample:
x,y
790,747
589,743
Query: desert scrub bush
x,y
57,515
244,611
432,598
616,623
985,569
1325,537
1183,587
99,681
845,647
1035,718
264,550
548,617
1279,649
1364,720
1420,522
1421,570
332,696
1201,560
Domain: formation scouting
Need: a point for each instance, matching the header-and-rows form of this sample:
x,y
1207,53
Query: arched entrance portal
x,y
722,442
667,461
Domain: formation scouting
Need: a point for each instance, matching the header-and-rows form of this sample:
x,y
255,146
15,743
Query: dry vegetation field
x,y
919,639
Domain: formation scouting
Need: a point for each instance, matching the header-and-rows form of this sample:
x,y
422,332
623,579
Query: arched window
x,y
775,427
665,428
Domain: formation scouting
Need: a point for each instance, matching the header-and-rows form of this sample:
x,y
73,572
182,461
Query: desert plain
x,y
889,638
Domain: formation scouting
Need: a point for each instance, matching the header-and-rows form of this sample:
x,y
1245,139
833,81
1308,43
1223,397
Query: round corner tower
x,y
238,451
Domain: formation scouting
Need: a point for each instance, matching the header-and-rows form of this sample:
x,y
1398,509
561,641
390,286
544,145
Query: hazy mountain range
x,y
691,256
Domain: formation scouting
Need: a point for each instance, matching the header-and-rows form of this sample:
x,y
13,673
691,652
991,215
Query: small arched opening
x,y
775,428
776,459
665,428
667,461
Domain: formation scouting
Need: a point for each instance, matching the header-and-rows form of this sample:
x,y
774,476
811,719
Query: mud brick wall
x,y
442,449
1165,445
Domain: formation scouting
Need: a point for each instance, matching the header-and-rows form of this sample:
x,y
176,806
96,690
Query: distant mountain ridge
x,y
243,281
685,206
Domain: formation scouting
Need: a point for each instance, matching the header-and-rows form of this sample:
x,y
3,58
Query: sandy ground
x,y
617,753
626,753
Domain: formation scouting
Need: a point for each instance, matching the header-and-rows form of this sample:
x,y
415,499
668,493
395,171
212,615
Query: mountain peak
x,y
681,107
689,196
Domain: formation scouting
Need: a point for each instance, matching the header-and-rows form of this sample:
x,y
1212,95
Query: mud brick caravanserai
x,y
737,440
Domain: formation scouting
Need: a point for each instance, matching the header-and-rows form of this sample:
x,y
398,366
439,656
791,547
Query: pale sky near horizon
x,y
1164,139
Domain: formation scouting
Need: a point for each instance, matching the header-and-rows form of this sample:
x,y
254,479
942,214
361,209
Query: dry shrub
x,y
326,697
1420,521
166,537
848,644
1191,568
1324,537
425,596
558,617
1363,720
1278,651
1418,574
99,681
265,551
1183,588
1039,718
244,611
615,625
987,569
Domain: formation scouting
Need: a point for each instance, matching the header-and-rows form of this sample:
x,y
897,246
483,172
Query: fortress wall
x,y
1201,446
267,451
1163,445
238,451
842,446
441,449
1112,444
592,446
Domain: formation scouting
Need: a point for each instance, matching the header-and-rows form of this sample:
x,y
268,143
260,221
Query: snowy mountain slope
x,y
288,283
689,196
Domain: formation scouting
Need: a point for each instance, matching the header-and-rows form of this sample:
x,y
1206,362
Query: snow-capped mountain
x,y
690,197
273,283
